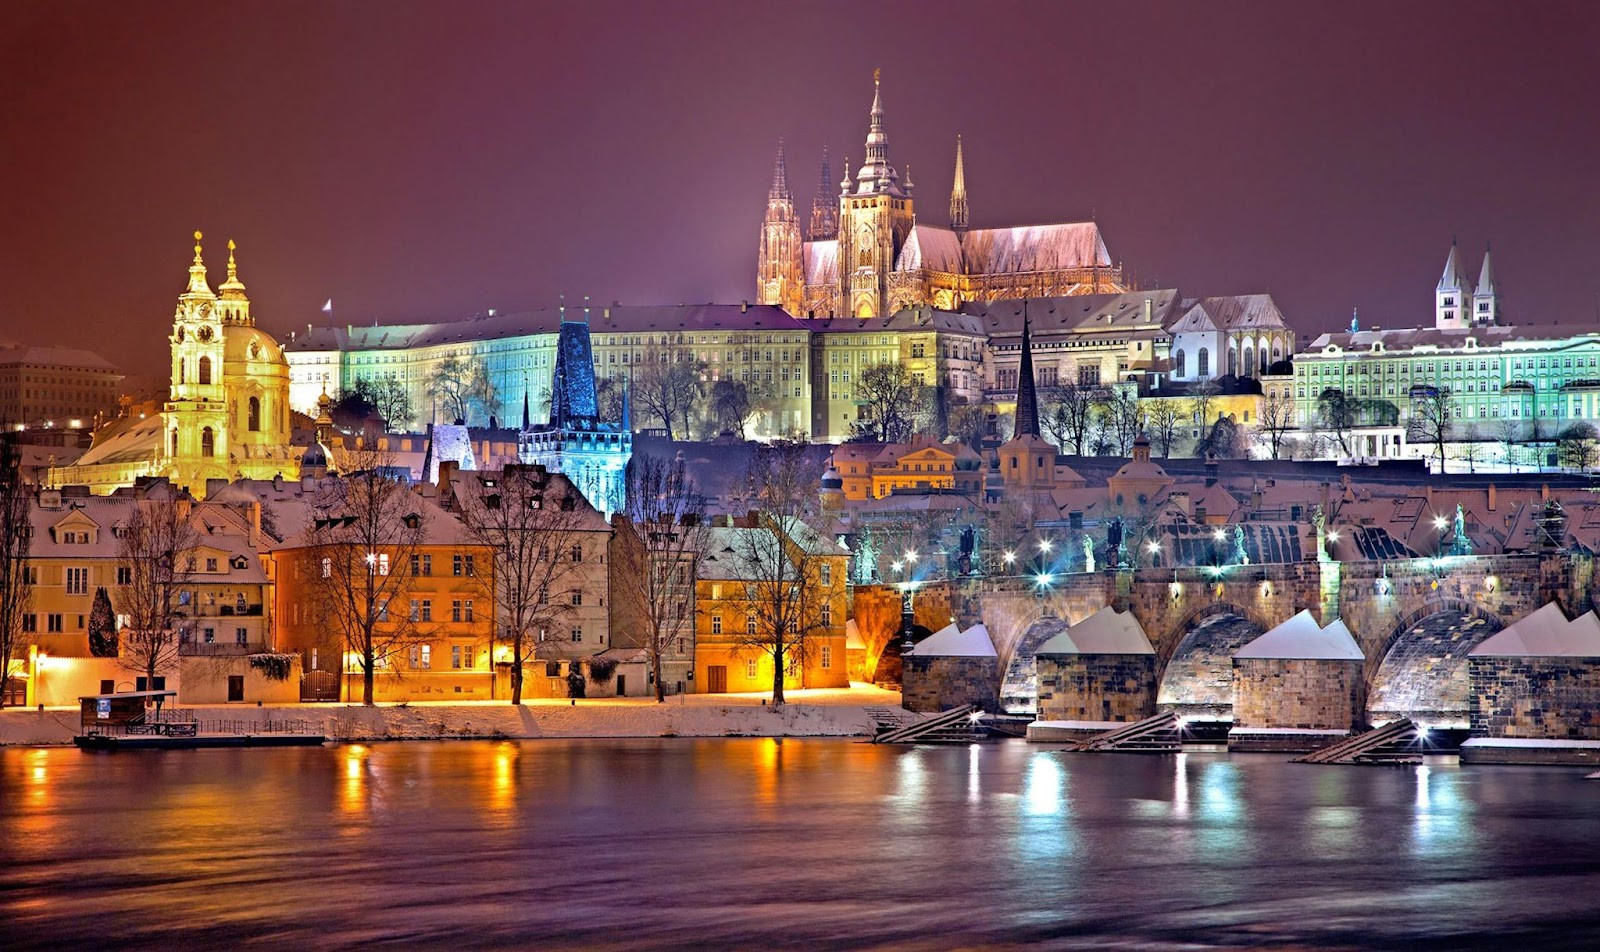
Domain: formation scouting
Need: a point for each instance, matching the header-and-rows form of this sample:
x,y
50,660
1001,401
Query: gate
x,y
319,686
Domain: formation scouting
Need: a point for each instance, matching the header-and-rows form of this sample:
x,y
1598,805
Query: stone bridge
x,y
1415,620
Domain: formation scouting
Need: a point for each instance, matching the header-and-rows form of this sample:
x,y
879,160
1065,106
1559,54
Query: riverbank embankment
x,y
816,713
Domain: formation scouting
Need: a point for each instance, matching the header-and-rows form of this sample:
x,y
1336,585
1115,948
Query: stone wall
x,y
1096,687
1295,693
1536,698
937,684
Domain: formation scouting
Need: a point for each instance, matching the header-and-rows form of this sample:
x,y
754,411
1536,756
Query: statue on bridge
x,y
1088,554
1460,544
1240,556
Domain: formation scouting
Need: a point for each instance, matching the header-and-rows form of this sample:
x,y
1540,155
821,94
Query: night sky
x,y
429,160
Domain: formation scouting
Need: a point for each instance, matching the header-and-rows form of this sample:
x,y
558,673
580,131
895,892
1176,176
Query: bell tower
x,y
195,442
875,219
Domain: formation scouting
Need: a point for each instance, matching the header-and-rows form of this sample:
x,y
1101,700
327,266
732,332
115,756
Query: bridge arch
x,y
1197,673
1420,669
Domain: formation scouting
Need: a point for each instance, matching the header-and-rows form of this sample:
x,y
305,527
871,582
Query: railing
x,y
190,727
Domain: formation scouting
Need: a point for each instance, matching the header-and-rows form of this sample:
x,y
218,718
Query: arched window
x,y
1202,366
1246,360
174,442
1266,364
204,376
183,368
208,442
253,421
1177,364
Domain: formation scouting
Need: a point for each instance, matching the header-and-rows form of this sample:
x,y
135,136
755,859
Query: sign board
x,y
102,708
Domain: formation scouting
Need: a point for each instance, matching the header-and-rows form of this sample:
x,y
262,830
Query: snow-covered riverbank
x,y
816,713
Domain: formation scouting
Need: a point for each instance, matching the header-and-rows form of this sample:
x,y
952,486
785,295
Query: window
x,y
327,568
552,669
53,621
1203,363
455,610
1177,363
427,657
750,623
211,565
827,616
456,564
577,634
253,415
30,623
383,563
422,565
241,636
208,442
466,657
383,610
77,581
716,624
205,371
209,635
825,573
416,610
750,667
827,656
455,656
576,596
577,553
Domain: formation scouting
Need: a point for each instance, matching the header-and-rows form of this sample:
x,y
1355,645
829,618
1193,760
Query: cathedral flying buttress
x,y
867,256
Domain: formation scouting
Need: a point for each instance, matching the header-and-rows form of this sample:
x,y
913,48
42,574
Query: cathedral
x,y
868,256
227,411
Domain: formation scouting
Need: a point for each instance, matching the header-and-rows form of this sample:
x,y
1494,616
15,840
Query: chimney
x,y
1492,497
255,523
744,306
1149,310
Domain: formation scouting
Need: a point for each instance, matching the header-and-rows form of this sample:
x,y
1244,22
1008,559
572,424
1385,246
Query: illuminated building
x,y
55,387
227,412
874,258
590,452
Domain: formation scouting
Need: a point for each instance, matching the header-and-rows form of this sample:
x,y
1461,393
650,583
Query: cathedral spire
x,y
876,174
1486,299
779,192
958,195
824,207
233,287
1027,396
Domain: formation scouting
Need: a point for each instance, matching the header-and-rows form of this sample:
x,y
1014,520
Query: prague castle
x,y
227,412
868,256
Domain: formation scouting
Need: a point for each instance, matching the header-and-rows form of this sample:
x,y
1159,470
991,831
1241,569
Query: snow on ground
x,y
818,712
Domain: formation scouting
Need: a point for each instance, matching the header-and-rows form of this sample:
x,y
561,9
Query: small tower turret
x,y
958,196
825,206
1486,299
1450,298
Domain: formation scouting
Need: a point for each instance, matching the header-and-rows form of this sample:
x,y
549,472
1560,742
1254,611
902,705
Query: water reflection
x,y
648,844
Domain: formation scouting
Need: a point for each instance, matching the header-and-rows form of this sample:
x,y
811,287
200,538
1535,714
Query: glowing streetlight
x,y
1009,557
1218,535
1043,578
911,556
897,565
1333,535
1044,545
1439,522
1153,547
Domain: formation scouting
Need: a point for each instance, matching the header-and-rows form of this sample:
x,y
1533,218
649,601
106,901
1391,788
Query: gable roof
x,y
1107,631
1545,633
952,642
1302,638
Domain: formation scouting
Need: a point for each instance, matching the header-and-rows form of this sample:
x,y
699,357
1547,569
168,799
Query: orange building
x,y
733,604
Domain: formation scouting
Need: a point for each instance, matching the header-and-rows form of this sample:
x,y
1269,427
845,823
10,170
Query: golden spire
x,y
197,272
233,288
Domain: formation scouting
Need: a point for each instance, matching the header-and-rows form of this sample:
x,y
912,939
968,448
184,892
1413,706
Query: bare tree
x,y
1508,433
1430,420
1202,403
16,593
1277,419
793,576
530,520
156,551
669,386
660,542
462,387
893,403
1069,414
1578,446
730,406
1119,420
1336,412
1164,418
367,527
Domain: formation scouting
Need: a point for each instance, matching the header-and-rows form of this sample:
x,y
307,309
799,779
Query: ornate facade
x,y
872,258
227,411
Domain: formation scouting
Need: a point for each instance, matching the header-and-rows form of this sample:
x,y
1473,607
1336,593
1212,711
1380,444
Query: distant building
x,y
55,387
576,443
867,255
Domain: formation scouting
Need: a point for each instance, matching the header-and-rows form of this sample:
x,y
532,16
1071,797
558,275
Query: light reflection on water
x,y
643,844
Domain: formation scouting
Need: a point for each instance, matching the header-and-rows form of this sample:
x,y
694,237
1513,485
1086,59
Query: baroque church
x,y
866,255
227,412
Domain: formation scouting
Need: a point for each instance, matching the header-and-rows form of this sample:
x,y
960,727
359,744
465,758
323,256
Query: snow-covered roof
x,y
1054,247
1107,631
952,642
821,261
937,249
1545,633
1302,638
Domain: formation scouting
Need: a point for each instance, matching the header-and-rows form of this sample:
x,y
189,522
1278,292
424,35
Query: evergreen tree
x,y
102,626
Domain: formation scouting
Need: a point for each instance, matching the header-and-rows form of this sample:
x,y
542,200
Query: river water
x,y
795,844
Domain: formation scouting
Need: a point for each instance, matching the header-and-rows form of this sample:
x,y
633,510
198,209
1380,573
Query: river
x,y
795,844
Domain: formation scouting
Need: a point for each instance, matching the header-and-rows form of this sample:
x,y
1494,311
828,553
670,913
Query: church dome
x,y
831,479
242,344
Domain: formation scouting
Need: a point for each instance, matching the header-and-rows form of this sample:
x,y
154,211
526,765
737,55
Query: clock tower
x,y
195,444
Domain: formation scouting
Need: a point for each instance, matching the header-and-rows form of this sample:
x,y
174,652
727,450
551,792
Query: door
x,y
235,687
622,685
717,679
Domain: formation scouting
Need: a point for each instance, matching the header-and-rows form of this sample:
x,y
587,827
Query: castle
x,y
868,256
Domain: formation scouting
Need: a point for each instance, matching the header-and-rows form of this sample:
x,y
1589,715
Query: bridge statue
x,y
1088,554
1240,556
1460,544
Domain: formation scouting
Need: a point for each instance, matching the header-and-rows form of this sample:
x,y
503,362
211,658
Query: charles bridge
x,y
1414,619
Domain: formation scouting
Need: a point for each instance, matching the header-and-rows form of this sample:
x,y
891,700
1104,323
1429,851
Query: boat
x,y
140,720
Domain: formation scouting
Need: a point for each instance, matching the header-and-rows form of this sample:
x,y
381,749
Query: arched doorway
x,y
1198,678
1423,672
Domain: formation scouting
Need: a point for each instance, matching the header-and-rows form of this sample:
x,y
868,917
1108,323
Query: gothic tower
x,y
1486,299
824,211
1450,298
875,220
958,196
195,447
779,280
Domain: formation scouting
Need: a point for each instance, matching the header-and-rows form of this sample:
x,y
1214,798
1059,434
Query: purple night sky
x,y
429,160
